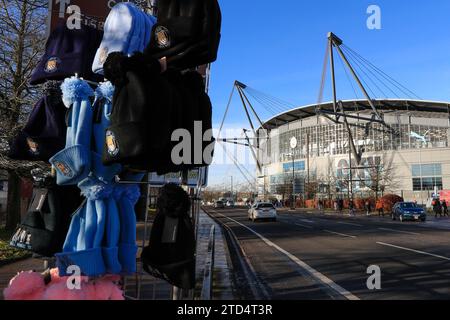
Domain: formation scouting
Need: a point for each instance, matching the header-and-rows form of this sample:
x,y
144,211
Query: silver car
x,y
262,211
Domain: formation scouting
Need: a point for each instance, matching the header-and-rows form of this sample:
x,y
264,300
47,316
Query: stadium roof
x,y
362,106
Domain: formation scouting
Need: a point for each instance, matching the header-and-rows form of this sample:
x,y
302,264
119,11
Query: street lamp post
x,y
232,195
293,144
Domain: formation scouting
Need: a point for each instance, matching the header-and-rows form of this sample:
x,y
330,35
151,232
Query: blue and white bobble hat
x,y
85,245
125,31
73,163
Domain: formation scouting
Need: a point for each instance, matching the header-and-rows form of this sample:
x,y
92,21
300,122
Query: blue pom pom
x,y
105,90
74,89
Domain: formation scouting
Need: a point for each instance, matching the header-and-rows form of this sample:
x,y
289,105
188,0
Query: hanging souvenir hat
x,y
44,134
73,163
141,94
187,32
68,52
125,31
45,226
171,251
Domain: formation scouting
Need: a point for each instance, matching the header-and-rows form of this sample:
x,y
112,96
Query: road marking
x,y
303,225
400,231
307,221
412,250
314,273
351,224
340,234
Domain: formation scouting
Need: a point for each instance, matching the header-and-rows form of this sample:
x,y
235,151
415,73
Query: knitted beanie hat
x,y
44,134
73,163
46,224
193,113
187,32
68,52
174,260
141,95
125,31
84,245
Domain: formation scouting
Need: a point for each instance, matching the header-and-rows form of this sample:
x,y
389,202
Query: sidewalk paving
x,y
222,284
152,288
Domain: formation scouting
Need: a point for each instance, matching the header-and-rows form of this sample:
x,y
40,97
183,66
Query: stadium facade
x,y
413,163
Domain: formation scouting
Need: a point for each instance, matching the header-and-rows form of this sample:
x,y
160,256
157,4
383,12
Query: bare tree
x,y
382,175
329,180
22,35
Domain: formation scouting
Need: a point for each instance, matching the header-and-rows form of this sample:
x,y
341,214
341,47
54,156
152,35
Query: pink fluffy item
x,y
31,286
27,285
106,289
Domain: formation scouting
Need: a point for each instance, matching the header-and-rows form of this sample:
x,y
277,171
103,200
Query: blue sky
x,y
278,47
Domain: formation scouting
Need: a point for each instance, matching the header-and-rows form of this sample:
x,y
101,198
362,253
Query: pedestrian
x,y
351,207
379,208
368,208
336,206
320,206
444,208
437,208
341,205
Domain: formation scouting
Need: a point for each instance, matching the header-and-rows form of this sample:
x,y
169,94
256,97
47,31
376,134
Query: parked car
x,y
219,205
408,211
230,204
262,210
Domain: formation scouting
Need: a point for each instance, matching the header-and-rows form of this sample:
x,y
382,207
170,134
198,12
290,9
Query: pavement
x,y
311,255
142,286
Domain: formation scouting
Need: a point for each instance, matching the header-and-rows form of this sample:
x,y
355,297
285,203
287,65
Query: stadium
x,y
345,149
413,162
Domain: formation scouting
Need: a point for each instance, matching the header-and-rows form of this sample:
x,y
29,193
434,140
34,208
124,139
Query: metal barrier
x,y
207,289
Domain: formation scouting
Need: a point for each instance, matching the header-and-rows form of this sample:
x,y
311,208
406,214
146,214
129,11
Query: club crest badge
x,y
104,54
33,146
64,169
111,143
162,36
52,65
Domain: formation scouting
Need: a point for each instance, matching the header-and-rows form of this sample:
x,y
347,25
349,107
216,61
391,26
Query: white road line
x,y
412,250
351,224
339,234
399,231
314,273
303,225
307,221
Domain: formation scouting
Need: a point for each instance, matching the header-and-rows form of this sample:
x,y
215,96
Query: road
x,y
317,256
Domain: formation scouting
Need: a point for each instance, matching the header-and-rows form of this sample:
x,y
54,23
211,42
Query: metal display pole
x,y
141,269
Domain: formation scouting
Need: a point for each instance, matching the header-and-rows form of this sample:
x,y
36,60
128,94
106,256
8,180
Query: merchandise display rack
x,y
193,189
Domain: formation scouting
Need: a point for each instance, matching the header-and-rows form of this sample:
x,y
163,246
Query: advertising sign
x,y
76,12
84,12
193,177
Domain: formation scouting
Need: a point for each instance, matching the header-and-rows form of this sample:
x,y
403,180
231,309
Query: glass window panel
x,y
416,170
416,184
